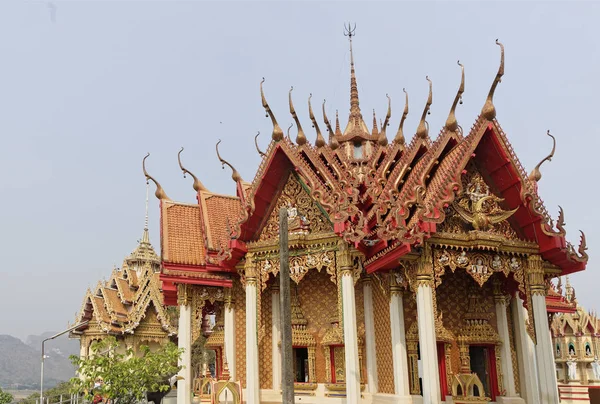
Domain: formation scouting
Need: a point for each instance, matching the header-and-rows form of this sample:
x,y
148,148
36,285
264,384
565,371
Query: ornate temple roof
x,y
385,198
119,305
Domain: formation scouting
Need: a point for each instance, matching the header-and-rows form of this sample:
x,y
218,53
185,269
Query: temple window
x,y
571,349
358,150
300,357
588,349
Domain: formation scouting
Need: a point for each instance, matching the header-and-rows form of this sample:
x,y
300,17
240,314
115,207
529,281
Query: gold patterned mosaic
x,y
383,340
239,304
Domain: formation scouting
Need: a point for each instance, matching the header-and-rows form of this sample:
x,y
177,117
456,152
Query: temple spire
x,y
354,104
145,234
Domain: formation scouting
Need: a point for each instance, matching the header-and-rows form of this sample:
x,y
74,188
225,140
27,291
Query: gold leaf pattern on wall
x,y
240,331
265,348
383,341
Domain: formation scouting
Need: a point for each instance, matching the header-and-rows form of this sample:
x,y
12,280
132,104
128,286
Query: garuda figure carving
x,y
484,212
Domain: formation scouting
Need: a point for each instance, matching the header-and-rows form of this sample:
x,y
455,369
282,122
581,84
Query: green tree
x,y
125,376
5,398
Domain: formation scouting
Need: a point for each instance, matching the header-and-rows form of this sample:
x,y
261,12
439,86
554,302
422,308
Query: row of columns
x,y
536,364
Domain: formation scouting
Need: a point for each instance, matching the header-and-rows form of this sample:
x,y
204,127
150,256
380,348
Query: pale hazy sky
x,y
87,88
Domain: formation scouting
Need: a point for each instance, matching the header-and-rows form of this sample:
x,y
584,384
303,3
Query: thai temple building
x,y
129,306
576,339
420,269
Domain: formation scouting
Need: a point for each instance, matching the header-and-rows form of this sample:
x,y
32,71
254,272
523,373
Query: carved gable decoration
x,y
477,208
304,214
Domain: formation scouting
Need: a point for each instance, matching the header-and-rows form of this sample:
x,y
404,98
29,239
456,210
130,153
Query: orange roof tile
x,y
218,210
182,240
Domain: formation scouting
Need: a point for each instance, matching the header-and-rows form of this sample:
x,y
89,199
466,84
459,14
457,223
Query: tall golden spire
x,y
383,141
400,134
160,192
235,176
355,113
536,174
489,110
423,128
320,142
198,186
277,134
356,126
451,122
300,137
333,143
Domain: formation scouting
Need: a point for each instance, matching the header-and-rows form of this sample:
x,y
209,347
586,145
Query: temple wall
x,y
239,296
318,299
383,340
453,296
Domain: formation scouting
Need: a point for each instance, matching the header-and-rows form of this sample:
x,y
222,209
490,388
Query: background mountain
x,y
20,362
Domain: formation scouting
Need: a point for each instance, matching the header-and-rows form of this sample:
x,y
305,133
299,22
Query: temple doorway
x,y
480,364
300,365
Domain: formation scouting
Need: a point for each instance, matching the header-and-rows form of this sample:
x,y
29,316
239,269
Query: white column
x,y
229,320
350,339
399,356
543,348
252,383
427,343
508,376
184,340
276,336
528,379
544,351
370,347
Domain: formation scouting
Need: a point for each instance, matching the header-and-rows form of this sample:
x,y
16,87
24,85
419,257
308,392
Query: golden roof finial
x,y
374,131
382,135
338,131
423,128
333,143
354,104
400,134
234,174
277,134
288,131
198,186
489,110
300,137
536,174
145,235
262,154
451,122
160,192
320,140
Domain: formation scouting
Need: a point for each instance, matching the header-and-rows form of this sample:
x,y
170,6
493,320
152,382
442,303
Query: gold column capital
x,y
250,270
228,300
425,268
184,294
344,259
535,270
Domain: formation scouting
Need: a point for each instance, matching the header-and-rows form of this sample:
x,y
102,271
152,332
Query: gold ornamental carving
x,y
479,265
183,294
299,266
477,209
535,269
304,215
